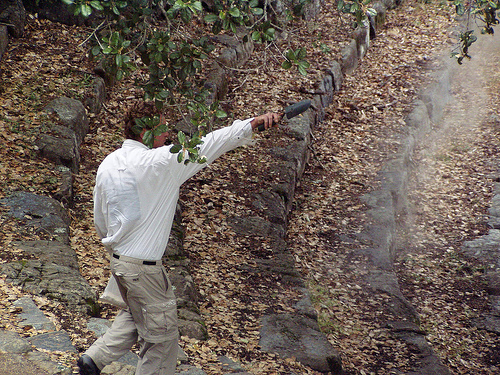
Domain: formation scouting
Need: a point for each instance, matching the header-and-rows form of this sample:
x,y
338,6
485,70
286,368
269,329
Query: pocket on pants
x,y
160,321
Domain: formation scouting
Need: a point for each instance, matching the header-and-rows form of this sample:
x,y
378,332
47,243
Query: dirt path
x,y
450,193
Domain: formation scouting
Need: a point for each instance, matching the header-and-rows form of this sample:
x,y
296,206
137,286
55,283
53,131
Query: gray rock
x,y
189,370
492,280
61,150
11,342
46,10
391,4
186,291
429,365
312,9
55,275
230,365
335,71
362,37
50,252
349,57
326,88
387,282
95,101
43,362
495,305
485,248
193,329
118,368
295,153
4,40
12,13
378,21
272,205
98,326
19,364
304,305
419,118
251,226
72,114
300,337
53,341
237,55
32,316
437,96
44,214
488,322
65,192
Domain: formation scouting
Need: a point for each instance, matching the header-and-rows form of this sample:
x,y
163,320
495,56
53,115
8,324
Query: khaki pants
x,y
150,320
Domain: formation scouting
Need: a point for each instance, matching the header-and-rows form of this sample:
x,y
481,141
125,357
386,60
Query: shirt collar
x,y
130,143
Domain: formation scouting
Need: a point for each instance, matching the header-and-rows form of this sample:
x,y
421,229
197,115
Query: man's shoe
x,y
87,366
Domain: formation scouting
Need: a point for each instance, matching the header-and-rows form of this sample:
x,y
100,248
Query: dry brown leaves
x,y
362,129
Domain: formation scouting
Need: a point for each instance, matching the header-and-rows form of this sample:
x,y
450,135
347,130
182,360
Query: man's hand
x,y
269,120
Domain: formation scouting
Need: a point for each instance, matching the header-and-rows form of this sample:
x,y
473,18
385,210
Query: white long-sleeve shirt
x,y
137,189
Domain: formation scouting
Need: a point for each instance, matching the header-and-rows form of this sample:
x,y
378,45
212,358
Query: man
x,y
135,197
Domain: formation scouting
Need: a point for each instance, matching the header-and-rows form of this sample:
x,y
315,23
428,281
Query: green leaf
x,y
96,50
175,149
301,53
180,157
220,114
114,38
148,138
181,137
270,33
235,12
256,36
198,6
137,129
86,10
286,64
119,60
96,5
290,55
304,64
68,2
211,18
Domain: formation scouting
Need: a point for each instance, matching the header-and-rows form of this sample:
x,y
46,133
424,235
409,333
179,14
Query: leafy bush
x,y
147,33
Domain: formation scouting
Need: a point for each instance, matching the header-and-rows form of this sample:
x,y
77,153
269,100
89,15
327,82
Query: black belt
x,y
145,262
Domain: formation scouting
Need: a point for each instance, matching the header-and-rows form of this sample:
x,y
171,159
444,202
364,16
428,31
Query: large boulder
x,y
13,14
61,144
53,10
52,271
72,115
41,214
47,267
